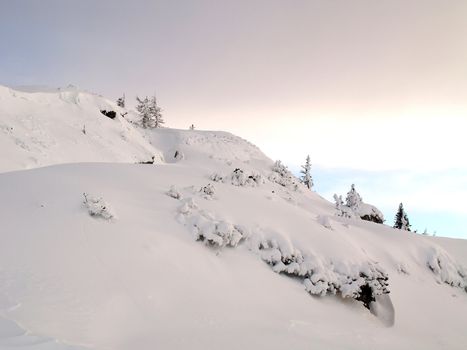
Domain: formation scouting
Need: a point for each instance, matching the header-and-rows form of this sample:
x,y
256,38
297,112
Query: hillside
x,y
40,127
214,246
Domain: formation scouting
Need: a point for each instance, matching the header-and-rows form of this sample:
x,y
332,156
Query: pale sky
x,y
375,91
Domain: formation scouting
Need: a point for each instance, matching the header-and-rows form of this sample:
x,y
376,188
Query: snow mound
x,y
197,146
41,127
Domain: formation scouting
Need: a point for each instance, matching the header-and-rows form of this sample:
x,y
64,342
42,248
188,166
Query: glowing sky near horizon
x,y
374,91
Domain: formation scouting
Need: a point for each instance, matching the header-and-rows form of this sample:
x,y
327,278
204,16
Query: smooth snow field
x,y
211,247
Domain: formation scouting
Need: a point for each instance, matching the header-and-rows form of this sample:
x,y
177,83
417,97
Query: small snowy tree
x,y
192,127
401,220
150,112
156,113
353,199
121,101
341,209
306,175
144,111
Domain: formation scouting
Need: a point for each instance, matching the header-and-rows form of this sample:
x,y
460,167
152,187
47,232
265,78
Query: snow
x,y
39,128
196,257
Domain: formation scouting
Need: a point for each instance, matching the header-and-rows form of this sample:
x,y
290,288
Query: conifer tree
x,y
306,175
144,111
150,112
401,220
156,114
121,101
353,199
342,210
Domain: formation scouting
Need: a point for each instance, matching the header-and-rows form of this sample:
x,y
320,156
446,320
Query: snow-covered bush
x,y
206,228
282,176
239,178
446,269
208,191
188,205
97,207
221,233
355,207
178,155
174,192
216,177
369,212
341,209
362,281
320,277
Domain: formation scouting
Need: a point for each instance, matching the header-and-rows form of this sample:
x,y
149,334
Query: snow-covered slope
x,y
44,126
217,247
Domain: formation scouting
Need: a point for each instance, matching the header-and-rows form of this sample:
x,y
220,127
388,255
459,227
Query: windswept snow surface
x,y
210,249
41,127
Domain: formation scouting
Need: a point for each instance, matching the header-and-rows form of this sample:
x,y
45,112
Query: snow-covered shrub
x,y
178,155
280,169
188,205
97,207
446,269
216,177
254,179
215,233
206,228
208,191
369,212
402,268
362,282
341,209
282,176
355,207
174,192
239,178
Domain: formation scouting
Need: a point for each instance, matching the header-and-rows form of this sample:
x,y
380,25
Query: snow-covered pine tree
x,y
121,101
341,209
192,127
401,220
144,111
306,178
156,114
353,199
339,204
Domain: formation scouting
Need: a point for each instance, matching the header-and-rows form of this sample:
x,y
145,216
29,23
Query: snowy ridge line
x,y
320,277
